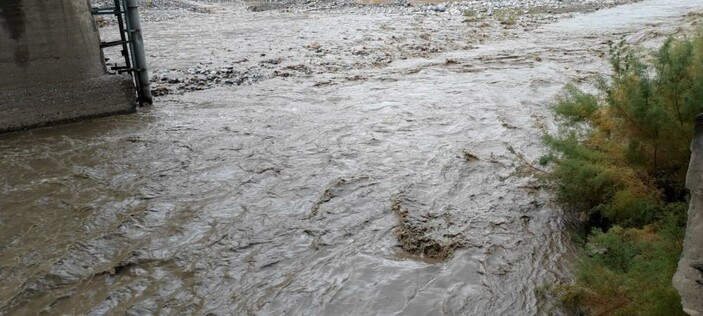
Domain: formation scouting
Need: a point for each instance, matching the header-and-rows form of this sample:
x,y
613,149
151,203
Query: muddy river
x,y
367,164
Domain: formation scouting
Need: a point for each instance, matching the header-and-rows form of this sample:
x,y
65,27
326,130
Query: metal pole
x,y
132,71
123,38
139,62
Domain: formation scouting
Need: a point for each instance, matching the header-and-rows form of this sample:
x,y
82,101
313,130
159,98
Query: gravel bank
x,y
176,8
431,28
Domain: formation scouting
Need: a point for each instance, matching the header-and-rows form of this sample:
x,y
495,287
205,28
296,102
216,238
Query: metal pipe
x,y
132,71
139,62
125,42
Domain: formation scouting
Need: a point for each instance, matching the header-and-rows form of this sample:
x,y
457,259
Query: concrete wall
x,y
51,65
688,279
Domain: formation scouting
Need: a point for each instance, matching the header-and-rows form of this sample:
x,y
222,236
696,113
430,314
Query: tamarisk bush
x,y
619,162
622,155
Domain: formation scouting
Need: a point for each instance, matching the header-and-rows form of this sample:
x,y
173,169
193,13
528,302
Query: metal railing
x,y
129,24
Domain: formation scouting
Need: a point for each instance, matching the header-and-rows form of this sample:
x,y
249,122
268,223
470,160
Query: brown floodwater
x,y
285,196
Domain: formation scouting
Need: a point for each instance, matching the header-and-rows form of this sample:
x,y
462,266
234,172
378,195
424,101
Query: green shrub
x,y
471,16
506,16
627,272
620,158
622,155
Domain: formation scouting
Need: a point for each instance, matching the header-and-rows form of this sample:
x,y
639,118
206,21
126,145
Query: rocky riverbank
x,y
429,28
432,27
396,6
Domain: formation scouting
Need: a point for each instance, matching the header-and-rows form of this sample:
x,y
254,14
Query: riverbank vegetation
x,y
619,165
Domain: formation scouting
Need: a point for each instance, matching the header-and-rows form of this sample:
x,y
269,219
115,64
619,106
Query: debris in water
x,y
469,156
414,237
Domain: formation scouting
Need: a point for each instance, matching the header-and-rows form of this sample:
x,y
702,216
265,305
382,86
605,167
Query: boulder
x,y
688,279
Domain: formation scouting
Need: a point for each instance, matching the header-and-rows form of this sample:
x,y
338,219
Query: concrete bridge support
x,y
688,279
51,66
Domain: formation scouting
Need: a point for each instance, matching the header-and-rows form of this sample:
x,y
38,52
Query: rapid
x,y
359,168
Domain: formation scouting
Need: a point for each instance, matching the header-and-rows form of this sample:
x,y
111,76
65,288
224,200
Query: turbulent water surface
x,y
352,184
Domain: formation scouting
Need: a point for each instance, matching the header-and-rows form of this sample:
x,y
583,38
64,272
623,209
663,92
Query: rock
x,y
440,8
314,46
160,91
688,279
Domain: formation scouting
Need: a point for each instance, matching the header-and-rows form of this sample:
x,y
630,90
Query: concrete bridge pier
x,y
52,68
